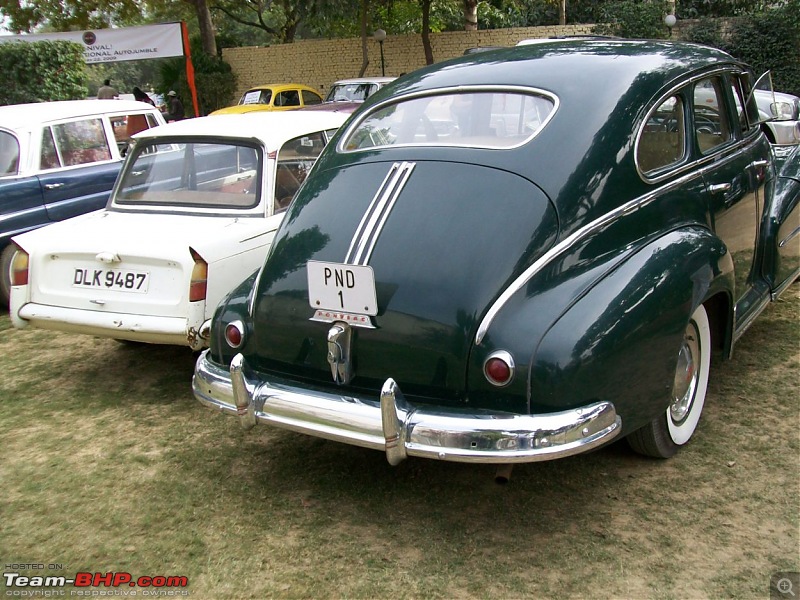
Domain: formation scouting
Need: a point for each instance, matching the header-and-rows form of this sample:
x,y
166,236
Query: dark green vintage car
x,y
518,255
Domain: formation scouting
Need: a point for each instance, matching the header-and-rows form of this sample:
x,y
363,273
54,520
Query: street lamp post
x,y
380,36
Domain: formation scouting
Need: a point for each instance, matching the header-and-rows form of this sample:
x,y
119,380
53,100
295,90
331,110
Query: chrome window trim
x,y
466,89
584,232
682,166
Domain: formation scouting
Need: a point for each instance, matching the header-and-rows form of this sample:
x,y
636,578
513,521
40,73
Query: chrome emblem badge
x,y
340,338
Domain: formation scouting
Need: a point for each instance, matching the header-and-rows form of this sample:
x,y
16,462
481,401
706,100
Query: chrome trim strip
x,y
374,219
587,230
393,425
757,310
775,294
583,232
789,237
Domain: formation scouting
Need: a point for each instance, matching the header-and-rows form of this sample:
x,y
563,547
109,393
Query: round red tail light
x,y
499,368
234,334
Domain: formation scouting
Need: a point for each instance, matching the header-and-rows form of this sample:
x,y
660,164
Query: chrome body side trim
x,y
590,229
782,288
567,242
393,425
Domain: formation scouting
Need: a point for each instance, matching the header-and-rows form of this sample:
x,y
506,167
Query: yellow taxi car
x,y
276,96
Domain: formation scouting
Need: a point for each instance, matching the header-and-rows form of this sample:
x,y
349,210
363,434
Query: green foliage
x,y
700,9
705,31
41,71
770,40
633,19
214,80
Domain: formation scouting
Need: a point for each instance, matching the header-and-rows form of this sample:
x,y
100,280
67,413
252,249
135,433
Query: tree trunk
x,y
562,12
207,38
470,15
426,31
364,53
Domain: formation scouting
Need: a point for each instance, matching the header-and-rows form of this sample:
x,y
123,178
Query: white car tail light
x,y
19,268
199,283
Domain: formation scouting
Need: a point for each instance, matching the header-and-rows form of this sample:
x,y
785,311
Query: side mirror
x,y
783,111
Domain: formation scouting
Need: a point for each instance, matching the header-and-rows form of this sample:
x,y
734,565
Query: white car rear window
x,y
483,119
203,175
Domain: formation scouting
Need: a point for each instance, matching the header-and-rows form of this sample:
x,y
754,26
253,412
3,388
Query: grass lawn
x,y
110,464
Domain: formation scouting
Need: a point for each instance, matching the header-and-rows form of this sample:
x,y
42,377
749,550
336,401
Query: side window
x,y
310,98
49,158
710,119
133,123
295,160
288,98
9,154
662,142
82,142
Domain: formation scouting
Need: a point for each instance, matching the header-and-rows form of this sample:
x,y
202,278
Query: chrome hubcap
x,y
686,375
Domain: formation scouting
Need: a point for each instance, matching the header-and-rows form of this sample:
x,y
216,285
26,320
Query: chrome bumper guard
x,y
400,429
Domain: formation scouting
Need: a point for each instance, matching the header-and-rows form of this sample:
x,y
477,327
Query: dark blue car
x,y
59,160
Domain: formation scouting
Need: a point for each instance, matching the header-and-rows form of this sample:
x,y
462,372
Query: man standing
x,y
106,92
174,107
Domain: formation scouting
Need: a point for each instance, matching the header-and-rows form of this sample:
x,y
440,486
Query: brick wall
x,y
319,63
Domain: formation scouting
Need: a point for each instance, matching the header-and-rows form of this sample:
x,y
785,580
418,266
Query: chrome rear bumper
x,y
393,425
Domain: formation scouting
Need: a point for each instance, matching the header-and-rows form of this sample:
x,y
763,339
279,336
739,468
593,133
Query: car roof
x,y
274,128
20,116
357,80
572,68
281,86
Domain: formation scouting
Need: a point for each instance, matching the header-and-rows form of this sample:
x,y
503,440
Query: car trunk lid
x,y
445,240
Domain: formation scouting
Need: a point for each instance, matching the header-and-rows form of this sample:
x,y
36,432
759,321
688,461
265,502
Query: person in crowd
x,y
139,95
106,92
174,107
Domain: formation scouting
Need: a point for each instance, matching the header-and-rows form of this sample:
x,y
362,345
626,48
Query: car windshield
x,y
499,119
351,92
9,154
256,97
195,174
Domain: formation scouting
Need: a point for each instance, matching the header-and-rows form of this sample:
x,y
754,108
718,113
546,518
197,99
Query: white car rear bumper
x,y
138,328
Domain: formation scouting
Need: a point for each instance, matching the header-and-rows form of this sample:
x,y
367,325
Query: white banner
x,y
126,43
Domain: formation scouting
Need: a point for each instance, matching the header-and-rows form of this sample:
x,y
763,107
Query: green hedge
x,y
41,71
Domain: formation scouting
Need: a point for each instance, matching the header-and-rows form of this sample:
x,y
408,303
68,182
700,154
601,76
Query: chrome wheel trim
x,y
686,375
691,379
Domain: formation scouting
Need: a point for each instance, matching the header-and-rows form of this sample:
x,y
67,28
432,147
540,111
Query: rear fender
x,y
619,342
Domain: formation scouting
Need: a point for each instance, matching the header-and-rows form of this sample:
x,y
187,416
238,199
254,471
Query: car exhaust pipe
x,y
503,473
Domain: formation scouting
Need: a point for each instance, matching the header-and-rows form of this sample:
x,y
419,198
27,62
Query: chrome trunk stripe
x,y
374,219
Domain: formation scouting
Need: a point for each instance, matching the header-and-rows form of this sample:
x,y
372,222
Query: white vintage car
x,y
192,214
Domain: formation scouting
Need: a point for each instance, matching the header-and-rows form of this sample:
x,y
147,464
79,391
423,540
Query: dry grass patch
x,y
109,464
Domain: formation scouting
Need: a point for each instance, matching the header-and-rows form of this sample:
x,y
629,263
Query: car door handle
x,y
758,164
719,187
53,186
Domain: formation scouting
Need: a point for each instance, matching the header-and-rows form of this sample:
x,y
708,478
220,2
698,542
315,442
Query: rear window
x,y
201,174
497,119
351,92
9,154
